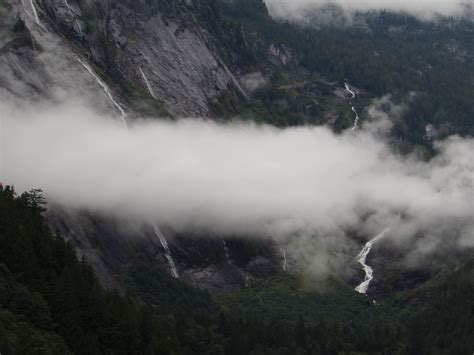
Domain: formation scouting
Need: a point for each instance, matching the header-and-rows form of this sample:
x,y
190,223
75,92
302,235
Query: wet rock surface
x,y
189,57
176,53
112,245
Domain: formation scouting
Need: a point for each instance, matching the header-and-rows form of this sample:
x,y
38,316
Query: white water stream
x,y
362,259
35,13
234,80
147,83
169,257
349,90
226,251
357,119
79,29
105,88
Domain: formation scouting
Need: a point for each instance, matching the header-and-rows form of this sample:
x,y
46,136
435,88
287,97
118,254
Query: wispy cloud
x,y
238,178
296,9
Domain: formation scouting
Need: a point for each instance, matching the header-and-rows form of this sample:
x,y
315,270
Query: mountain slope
x,y
130,59
180,58
52,303
172,53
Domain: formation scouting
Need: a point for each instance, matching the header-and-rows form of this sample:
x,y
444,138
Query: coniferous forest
x,y
427,65
52,303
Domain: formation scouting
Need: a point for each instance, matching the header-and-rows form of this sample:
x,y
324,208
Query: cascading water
x,y
169,257
283,253
349,90
226,251
35,13
357,119
147,83
362,259
79,29
234,80
105,88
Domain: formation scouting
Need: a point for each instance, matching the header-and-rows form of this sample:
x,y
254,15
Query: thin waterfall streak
x,y
168,256
105,88
147,83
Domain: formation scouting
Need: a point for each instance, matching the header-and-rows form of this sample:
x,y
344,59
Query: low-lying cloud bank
x,y
239,178
296,9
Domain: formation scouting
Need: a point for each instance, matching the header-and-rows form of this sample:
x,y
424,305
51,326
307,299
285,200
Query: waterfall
x,y
356,120
226,251
169,257
348,89
105,88
147,83
35,13
283,254
79,29
362,258
234,80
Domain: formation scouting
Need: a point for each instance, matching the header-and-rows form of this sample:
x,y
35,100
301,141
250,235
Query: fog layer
x,y
423,8
238,178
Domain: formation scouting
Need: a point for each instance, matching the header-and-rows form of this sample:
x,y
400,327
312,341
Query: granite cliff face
x,y
115,247
134,58
174,55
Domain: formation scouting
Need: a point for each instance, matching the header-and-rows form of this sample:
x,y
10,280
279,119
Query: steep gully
x,y
362,259
168,255
33,13
147,83
357,118
106,90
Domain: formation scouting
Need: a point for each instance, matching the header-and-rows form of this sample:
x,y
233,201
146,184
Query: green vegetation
x,y
52,303
384,53
141,101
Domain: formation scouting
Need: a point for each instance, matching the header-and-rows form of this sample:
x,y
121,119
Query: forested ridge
x,y
52,303
382,53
